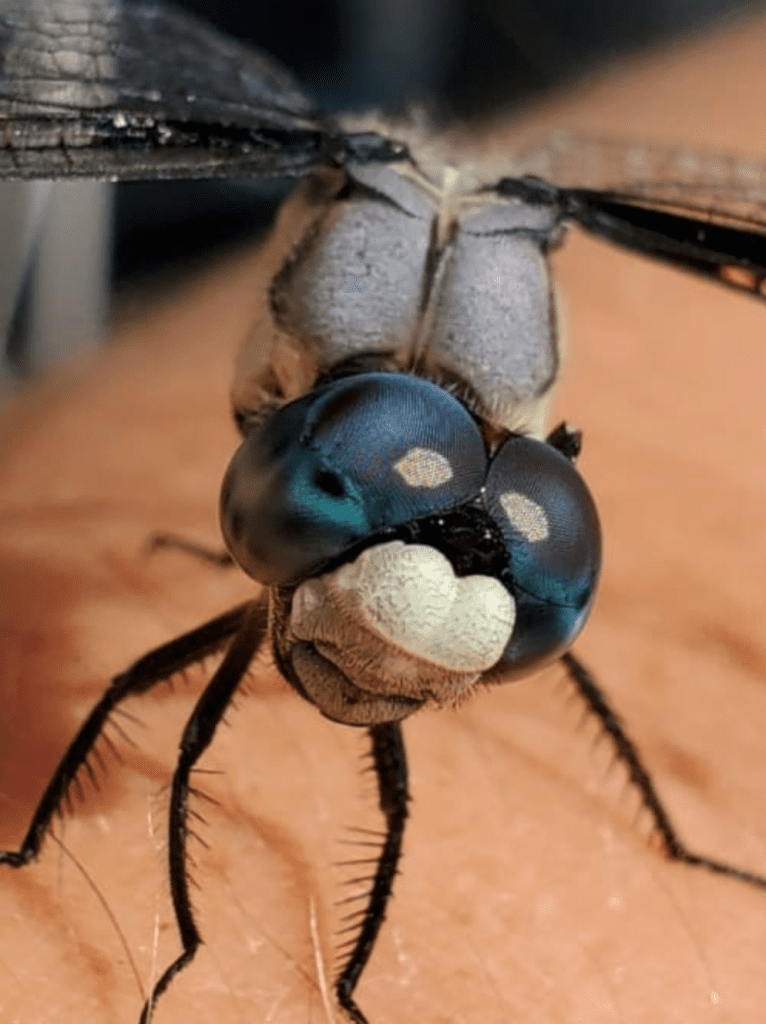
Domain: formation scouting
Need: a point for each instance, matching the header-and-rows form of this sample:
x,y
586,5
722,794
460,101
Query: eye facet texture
x,y
342,463
552,535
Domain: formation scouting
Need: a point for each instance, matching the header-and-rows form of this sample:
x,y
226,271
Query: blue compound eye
x,y
366,452
552,535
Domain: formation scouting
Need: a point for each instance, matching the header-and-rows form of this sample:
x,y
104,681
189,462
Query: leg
x,y
197,736
153,668
627,753
390,763
189,547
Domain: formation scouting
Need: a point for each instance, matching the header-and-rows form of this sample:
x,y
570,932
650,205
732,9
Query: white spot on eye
x,y
525,515
423,467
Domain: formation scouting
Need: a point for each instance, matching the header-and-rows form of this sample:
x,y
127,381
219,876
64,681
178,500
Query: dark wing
x,y
704,212
123,91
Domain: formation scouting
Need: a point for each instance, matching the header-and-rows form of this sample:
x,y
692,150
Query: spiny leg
x,y
390,764
152,668
627,753
197,736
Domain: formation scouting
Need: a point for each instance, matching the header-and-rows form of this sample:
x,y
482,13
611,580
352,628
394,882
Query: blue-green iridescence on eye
x,y
352,457
551,529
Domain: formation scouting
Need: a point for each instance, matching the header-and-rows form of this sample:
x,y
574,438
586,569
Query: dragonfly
x,y
416,528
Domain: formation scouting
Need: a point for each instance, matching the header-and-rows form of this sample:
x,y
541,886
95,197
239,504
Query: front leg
x,y
197,736
155,667
627,754
390,766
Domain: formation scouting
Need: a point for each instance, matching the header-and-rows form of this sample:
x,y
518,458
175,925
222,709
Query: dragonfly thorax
x,y
446,279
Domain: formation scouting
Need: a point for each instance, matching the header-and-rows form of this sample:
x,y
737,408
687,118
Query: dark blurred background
x,y
465,56
471,54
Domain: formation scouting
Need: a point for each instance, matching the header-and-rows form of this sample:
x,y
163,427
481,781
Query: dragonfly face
x,y
393,489
376,508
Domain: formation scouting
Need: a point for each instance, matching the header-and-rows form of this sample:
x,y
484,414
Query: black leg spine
x,y
197,736
627,753
390,764
153,668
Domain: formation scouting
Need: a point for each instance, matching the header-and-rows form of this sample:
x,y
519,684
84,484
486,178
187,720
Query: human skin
x,y
528,890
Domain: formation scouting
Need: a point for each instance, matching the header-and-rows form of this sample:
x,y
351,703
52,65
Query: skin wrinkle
x,y
526,892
